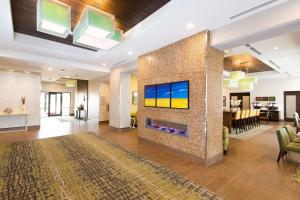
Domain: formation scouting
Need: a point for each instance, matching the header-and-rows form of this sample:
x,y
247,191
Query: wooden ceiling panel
x,y
128,13
245,62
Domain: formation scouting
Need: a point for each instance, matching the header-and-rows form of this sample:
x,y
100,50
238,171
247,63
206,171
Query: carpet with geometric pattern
x,y
85,166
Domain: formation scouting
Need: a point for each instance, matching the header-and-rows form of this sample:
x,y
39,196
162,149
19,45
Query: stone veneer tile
x,y
183,60
214,141
214,96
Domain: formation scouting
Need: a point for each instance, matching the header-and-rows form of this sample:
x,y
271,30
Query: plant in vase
x,y
23,100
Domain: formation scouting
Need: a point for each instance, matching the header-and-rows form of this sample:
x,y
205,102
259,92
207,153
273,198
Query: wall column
x,y
191,59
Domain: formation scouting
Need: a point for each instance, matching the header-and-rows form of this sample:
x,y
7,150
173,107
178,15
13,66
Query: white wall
x,y
93,100
13,86
104,101
273,87
119,105
60,87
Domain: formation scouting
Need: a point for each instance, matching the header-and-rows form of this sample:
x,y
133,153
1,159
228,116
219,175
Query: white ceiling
x,y
165,26
48,72
283,51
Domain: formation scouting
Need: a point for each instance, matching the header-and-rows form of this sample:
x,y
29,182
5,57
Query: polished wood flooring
x,y
249,171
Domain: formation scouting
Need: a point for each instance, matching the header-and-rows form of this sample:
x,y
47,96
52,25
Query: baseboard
x,y
215,159
119,129
20,128
104,122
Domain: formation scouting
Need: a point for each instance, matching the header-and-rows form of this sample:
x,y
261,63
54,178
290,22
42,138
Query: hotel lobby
x,y
159,99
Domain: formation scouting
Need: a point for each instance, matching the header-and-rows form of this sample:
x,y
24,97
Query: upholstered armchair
x,y
293,137
225,139
296,121
285,143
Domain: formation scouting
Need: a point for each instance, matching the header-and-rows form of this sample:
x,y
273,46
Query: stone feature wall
x,y
194,60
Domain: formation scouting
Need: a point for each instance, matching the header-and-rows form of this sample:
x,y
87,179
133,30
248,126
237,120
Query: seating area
x,y
288,141
245,120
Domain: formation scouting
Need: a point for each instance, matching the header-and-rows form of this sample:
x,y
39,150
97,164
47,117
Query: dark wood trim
x,y
103,122
240,96
19,128
297,94
49,94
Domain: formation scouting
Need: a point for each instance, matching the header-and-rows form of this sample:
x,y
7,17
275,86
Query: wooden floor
x,y
249,171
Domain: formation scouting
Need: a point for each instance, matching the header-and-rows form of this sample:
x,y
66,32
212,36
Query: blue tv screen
x,y
163,92
180,95
150,95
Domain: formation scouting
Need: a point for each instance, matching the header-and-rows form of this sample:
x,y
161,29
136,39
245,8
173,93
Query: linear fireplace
x,y
167,127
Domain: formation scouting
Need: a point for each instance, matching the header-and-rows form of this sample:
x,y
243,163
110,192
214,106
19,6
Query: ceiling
x,y
245,62
48,72
281,53
127,14
163,27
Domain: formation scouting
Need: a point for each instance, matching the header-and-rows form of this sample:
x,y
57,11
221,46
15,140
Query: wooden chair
x,y
243,120
247,120
257,117
236,120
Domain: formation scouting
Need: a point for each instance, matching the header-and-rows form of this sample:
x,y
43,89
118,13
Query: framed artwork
x,y
265,98
134,97
224,101
258,98
272,98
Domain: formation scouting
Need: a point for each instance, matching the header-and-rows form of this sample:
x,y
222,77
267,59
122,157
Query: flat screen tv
x,y
180,95
150,95
163,95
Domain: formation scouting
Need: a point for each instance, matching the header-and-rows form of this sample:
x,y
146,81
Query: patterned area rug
x,y
249,134
296,175
84,166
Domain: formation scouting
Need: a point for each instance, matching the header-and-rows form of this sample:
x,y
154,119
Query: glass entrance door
x,y
55,104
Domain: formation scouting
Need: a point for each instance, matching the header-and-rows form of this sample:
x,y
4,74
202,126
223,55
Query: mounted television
x,y
150,96
163,95
180,95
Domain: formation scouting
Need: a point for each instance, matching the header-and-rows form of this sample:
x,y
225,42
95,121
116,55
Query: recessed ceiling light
x,y
190,26
130,52
104,64
11,70
27,72
276,48
50,69
67,76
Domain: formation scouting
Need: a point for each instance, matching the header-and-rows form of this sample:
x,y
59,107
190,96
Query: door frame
x,y
286,93
49,95
240,97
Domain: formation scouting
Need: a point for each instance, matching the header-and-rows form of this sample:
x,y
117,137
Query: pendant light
x,y
54,18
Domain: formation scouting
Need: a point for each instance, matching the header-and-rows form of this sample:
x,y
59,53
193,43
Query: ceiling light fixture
x,y
27,72
54,18
67,76
276,48
11,70
96,30
190,26
130,53
50,69
71,83
104,64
